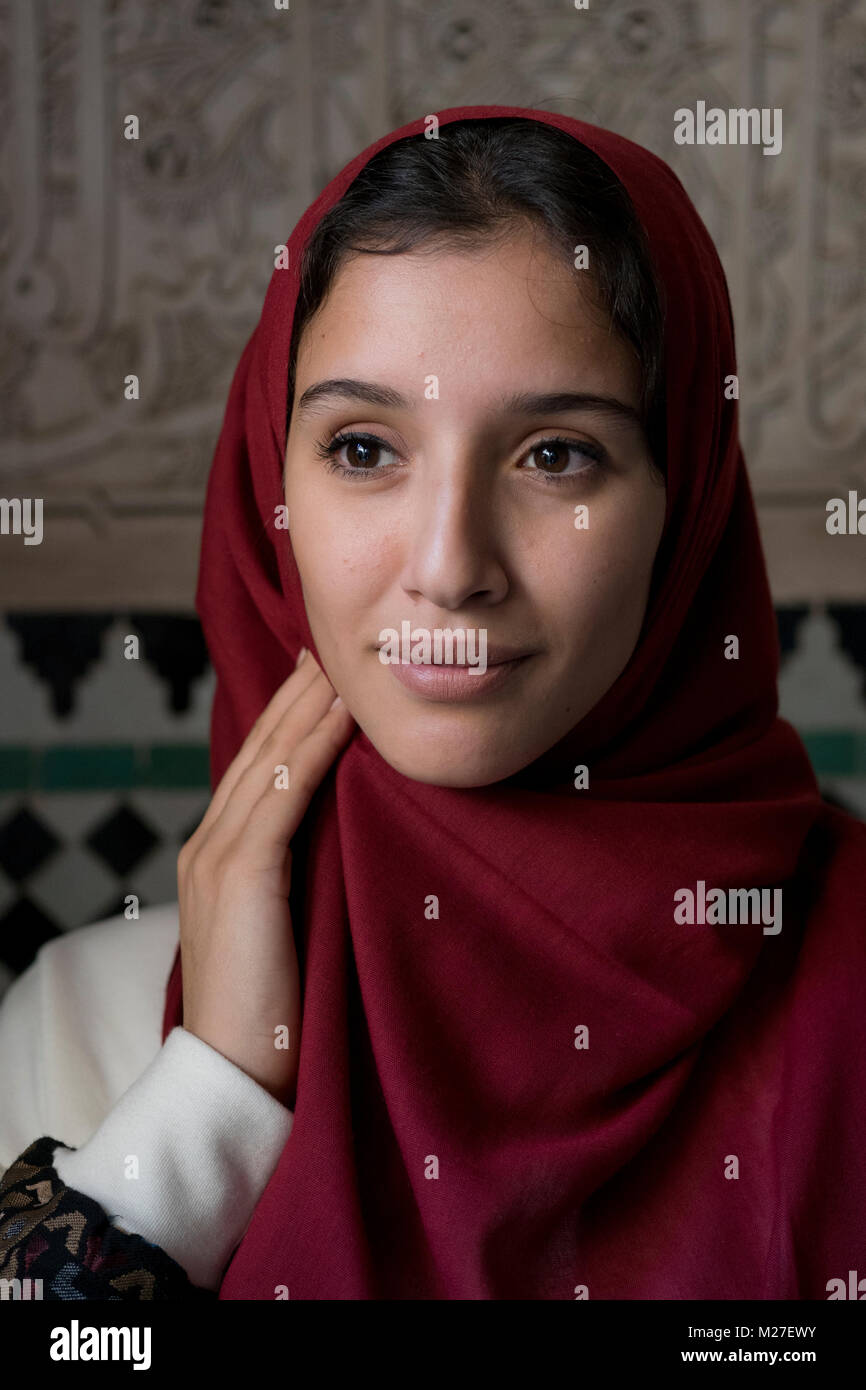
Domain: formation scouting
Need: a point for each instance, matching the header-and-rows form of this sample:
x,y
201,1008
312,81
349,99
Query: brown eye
x,y
553,456
554,459
362,453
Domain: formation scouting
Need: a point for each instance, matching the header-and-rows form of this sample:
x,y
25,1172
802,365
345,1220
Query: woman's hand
x,y
240,966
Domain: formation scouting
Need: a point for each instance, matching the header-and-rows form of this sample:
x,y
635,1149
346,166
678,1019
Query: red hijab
x,y
449,1047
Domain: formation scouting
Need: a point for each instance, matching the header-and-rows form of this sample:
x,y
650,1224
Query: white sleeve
x,y
184,1155
80,1024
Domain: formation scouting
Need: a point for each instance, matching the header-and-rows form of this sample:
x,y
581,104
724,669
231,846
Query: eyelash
x,y
327,450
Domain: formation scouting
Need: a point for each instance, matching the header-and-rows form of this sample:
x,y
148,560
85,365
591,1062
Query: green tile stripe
x,y
100,767
186,766
837,752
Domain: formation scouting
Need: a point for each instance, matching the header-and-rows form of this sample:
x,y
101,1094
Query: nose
x,y
454,549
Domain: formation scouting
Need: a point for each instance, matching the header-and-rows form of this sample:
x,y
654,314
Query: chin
x,y
452,765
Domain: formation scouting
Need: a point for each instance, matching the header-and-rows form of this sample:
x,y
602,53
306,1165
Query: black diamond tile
x,y
24,927
122,840
25,844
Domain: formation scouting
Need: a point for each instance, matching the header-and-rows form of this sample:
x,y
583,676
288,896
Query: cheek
x,y
342,574
595,584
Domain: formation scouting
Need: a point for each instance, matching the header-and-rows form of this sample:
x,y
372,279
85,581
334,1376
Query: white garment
x,y
81,1060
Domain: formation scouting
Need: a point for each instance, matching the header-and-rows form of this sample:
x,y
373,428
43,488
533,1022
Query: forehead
x,y
513,307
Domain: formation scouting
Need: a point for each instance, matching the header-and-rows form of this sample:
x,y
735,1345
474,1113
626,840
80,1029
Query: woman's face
x,y
461,513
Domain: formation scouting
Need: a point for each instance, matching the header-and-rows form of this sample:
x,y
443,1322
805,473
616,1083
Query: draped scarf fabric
x,y
451,1138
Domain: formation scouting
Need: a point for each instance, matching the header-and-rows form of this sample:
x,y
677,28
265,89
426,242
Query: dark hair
x,y
472,184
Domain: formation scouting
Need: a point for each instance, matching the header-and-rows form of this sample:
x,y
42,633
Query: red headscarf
x,y
449,1047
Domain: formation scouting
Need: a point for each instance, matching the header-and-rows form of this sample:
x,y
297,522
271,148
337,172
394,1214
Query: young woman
x,y
528,968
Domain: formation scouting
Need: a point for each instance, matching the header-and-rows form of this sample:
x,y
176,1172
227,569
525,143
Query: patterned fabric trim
x,y
52,1233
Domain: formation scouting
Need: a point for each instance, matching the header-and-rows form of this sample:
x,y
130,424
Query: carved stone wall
x,y
152,256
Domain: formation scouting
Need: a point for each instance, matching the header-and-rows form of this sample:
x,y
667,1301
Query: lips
x,y
454,682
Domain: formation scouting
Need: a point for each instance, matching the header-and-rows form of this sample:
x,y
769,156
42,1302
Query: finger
x,y
280,809
299,680
275,750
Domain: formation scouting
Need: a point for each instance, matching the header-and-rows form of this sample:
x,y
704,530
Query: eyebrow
x,y
520,403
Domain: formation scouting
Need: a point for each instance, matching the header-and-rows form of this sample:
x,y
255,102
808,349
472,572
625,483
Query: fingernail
x,y
301,654
337,703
